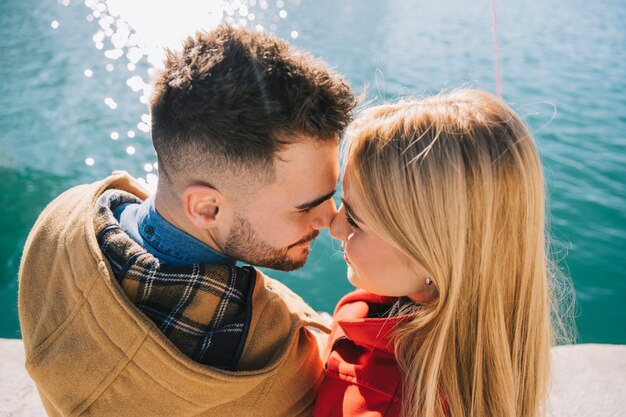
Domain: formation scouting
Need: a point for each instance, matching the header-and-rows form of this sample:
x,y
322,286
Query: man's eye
x,y
351,222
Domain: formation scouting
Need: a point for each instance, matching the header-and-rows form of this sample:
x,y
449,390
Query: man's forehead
x,y
305,172
304,189
300,160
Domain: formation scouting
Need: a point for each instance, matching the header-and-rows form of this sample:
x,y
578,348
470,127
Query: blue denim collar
x,y
162,239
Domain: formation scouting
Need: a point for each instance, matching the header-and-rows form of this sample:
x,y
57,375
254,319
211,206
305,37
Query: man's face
x,y
275,230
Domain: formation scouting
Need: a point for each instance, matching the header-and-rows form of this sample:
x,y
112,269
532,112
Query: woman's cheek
x,y
348,249
355,255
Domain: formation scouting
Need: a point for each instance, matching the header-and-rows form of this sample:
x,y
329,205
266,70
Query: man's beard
x,y
243,244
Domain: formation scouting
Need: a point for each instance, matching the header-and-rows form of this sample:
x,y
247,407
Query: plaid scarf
x,y
204,310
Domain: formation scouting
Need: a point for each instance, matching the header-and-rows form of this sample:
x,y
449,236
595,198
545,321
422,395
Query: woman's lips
x,y
345,257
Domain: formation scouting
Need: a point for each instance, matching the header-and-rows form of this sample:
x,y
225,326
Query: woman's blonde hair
x,y
455,182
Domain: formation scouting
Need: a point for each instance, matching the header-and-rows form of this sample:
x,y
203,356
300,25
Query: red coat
x,y
362,376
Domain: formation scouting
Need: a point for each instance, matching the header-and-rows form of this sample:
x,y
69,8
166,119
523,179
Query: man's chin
x,y
285,264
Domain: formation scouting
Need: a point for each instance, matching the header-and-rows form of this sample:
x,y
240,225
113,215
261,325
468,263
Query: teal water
x,y
563,66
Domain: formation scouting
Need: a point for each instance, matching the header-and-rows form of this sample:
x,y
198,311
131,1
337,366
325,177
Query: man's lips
x,y
305,239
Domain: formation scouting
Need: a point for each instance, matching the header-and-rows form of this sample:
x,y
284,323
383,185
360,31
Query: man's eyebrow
x,y
317,201
350,211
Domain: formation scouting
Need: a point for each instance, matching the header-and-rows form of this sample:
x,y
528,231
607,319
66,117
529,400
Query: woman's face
x,y
373,264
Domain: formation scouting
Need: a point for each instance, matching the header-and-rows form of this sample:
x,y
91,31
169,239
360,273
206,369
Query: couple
x,y
139,306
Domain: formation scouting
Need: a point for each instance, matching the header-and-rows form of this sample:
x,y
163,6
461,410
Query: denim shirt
x,y
162,239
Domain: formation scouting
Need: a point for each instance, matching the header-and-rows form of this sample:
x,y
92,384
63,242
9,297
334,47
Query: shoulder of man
x,y
278,314
285,338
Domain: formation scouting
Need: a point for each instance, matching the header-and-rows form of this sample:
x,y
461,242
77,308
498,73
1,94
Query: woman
x,y
442,227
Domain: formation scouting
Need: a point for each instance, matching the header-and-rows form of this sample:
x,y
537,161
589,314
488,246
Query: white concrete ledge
x,y
589,381
18,395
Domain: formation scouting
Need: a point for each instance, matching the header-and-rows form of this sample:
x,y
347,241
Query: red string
x,y
494,30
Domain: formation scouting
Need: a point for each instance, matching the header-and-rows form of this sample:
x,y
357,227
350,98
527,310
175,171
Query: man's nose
x,y
325,214
339,227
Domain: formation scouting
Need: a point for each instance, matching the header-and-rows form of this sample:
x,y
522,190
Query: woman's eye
x,y
305,211
351,222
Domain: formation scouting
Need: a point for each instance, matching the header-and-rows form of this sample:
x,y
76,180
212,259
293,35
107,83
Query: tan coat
x,y
91,352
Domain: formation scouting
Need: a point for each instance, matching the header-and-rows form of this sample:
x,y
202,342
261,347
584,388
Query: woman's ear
x,y
203,206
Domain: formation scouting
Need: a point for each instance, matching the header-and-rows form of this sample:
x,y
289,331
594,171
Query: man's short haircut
x,y
233,98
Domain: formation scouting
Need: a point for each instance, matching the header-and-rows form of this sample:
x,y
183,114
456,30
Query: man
x,y
134,306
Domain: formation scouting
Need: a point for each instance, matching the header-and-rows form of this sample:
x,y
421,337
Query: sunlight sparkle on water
x,y
136,83
137,32
160,24
54,24
111,103
114,53
134,54
150,182
89,161
98,37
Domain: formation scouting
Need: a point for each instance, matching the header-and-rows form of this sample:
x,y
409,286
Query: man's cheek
x,y
281,235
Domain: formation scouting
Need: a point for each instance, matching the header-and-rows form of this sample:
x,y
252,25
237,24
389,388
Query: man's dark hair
x,y
234,96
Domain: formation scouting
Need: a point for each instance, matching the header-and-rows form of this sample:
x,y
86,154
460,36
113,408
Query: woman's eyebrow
x,y
350,211
317,201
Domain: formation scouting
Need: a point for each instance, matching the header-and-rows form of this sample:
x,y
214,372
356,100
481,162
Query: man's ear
x,y
203,205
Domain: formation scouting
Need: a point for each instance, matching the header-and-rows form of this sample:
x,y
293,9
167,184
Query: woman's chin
x,y
353,277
